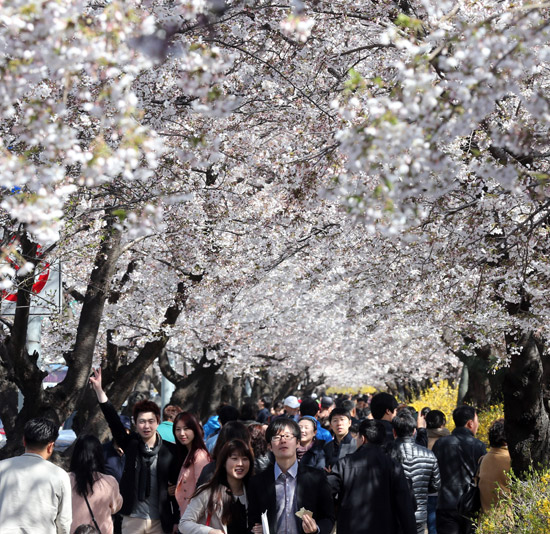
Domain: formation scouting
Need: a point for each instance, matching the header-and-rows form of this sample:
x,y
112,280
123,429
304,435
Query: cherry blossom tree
x,y
268,189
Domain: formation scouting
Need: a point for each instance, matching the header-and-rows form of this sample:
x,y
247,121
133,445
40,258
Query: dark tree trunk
x,y
57,403
483,387
119,380
527,422
287,386
8,397
201,390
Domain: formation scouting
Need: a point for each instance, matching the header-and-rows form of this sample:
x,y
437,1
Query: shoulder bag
x,y
92,514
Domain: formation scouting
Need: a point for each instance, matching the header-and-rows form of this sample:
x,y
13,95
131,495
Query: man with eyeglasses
x,y
287,487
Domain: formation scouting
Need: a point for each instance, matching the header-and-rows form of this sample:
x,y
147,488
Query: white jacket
x,y
35,496
194,519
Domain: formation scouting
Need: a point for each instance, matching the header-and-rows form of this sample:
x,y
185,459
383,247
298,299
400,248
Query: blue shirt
x,y
323,433
165,429
285,491
211,426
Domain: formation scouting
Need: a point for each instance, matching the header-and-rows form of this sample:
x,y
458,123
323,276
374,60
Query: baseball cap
x,y
292,402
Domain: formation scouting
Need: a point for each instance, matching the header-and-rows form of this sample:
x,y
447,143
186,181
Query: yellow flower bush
x,y
363,390
486,418
441,396
525,510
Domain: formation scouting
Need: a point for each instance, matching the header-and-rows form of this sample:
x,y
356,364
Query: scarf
x,y
300,451
143,472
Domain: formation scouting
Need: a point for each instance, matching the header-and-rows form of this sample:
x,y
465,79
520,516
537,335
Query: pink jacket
x,y
104,501
187,479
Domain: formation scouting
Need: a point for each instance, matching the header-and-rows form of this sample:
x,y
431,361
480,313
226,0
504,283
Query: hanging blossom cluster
x,y
428,127
457,72
71,116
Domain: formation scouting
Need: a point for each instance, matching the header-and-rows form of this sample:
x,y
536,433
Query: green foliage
x,y
355,81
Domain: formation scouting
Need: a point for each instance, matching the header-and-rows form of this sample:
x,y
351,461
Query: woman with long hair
x,y
95,495
219,506
229,431
192,456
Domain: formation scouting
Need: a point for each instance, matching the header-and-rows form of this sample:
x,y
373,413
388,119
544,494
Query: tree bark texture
x,y
58,402
527,421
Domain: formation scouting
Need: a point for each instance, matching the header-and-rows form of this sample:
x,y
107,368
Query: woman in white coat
x,y
219,507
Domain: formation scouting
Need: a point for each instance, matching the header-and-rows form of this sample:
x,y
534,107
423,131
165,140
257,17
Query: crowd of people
x,y
352,465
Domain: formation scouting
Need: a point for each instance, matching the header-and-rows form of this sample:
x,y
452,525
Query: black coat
x,y
312,492
458,456
315,456
166,470
372,493
335,451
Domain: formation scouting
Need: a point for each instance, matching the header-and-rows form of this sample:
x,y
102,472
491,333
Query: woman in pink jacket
x,y
95,495
192,455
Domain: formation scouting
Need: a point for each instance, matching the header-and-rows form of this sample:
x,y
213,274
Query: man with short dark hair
x,y
35,495
458,456
419,463
371,489
350,406
362,408
288,487
383,407
343,442
149,467
264,404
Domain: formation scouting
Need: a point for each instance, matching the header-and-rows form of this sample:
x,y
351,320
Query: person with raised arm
x,y
148,470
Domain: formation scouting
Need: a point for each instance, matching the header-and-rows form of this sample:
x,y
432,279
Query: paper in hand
x,y
302,512
265,523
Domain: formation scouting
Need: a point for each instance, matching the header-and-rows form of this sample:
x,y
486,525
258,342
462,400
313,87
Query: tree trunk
x,y
201,390
479,385
119,382
527,421
59,402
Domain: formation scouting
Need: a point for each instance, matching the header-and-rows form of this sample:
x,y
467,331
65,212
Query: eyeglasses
x,y
278,437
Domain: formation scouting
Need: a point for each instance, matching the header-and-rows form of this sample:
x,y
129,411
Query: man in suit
x,y
286,487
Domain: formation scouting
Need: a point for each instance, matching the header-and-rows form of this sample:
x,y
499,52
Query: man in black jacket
x,y
458,456
371,489
419,464
149,467
288,487
384,408
343,442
